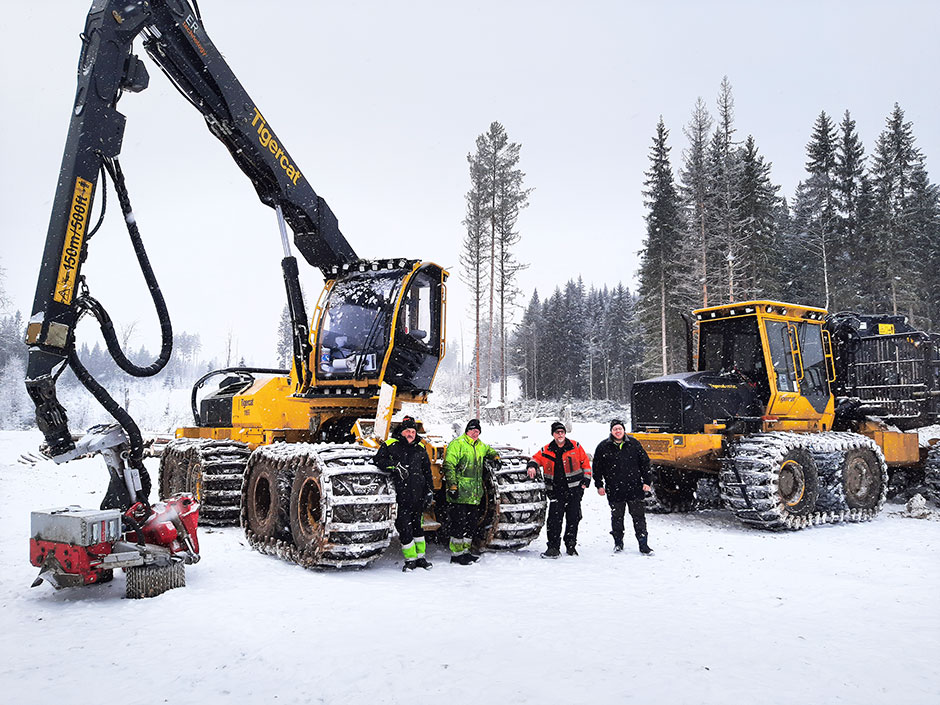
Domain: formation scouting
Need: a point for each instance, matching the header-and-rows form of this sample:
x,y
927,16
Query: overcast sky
x,y
380,102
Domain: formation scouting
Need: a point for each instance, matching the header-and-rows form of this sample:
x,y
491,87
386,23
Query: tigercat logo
x,y
722,386
266,138
74,237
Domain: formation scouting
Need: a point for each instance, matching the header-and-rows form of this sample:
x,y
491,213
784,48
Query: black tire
x,y
334,516
770,481
862,481
320,506
798,482
266,497
853,476
673,490
306,511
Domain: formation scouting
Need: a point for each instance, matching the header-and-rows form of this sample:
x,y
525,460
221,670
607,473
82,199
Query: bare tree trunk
x,y
662,316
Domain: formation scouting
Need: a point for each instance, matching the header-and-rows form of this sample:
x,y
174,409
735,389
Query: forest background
x,y
861,232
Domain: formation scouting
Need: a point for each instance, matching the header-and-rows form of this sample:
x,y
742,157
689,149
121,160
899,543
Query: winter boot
x,y
462,559
618,546
551,552
423,562
644,546
409,565
571,550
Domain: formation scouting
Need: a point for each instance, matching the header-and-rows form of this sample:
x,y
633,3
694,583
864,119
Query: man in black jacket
x,y
404,456
621,463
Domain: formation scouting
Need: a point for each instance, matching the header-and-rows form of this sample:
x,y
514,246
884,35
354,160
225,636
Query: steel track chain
x,y
757,460
343,470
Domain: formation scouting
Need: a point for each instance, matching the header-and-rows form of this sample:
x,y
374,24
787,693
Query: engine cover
x,y
686,401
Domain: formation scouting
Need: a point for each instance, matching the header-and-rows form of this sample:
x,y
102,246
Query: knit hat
x,y
407,422
617,422
558,426
473,424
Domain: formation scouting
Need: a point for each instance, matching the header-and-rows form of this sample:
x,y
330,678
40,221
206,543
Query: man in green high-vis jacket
x,y
463,477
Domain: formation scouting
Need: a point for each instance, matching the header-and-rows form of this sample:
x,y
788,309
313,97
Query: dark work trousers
x,y
408,523
637,513
564,504
463,519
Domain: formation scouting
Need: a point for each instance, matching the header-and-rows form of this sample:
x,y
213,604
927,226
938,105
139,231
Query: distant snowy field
x,y
719,614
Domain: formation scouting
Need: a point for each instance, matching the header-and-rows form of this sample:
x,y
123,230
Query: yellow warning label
x,y
885,329
74,237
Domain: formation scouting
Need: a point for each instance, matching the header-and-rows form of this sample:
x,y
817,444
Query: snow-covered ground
x,y
719,614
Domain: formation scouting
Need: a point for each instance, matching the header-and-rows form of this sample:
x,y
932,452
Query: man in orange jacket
x,y
567,472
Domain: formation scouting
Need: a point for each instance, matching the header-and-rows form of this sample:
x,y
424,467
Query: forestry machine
x,y
803,417
256,450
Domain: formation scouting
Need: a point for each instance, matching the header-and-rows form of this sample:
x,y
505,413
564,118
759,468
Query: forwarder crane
x,y
377,341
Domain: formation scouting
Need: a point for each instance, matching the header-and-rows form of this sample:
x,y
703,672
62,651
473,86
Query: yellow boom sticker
x,y
74,237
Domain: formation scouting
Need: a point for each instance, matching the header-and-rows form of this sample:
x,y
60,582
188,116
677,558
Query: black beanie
x,y
558,426
617,422
407,422
473,424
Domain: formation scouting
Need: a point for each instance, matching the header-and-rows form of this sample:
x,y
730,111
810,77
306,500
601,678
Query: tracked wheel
x,y
152,580
853,476
673,490
932,474
514,506
211,471
337,507
265,503
770,481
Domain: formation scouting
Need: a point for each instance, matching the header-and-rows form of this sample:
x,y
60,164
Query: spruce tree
x,y
661,309
759,205
692,284
725,263
894,162
851,189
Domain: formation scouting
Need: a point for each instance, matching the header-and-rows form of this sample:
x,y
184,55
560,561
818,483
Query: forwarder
x,y
803,417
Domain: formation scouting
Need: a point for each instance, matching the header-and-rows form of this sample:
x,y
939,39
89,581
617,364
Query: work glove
x,y
531,469
452,494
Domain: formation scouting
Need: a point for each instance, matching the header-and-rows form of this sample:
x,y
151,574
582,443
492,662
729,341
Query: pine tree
x,y
499,195
472,260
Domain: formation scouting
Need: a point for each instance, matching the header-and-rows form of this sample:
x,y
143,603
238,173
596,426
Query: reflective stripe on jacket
x,y
574,460
463,468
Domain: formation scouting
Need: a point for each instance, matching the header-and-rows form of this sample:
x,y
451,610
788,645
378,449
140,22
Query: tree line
x,y
578,343
861,233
